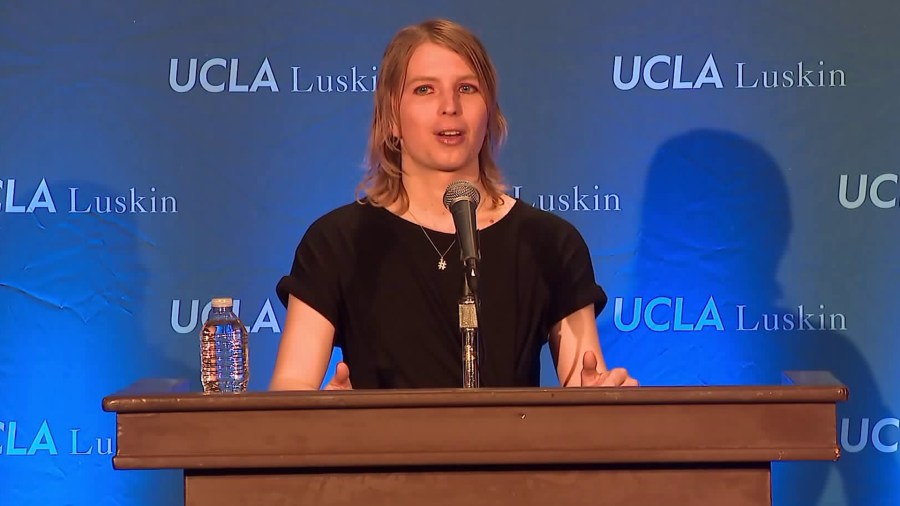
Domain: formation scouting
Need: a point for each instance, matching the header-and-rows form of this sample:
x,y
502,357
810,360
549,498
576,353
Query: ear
x,y
395,130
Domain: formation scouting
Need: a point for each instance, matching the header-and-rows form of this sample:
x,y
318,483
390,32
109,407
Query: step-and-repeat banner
x,y
733,167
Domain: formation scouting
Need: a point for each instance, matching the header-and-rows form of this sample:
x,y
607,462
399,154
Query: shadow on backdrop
x,y
716,221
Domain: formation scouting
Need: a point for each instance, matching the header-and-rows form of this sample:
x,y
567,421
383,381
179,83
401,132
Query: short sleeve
x,y
314,276
574,286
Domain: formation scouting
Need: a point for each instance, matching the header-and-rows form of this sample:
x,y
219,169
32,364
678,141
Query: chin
x,y
453,170
461,166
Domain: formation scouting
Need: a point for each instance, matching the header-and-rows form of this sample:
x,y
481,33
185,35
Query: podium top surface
x,y
166,395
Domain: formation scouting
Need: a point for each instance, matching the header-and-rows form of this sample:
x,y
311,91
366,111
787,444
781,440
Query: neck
x,y
426,190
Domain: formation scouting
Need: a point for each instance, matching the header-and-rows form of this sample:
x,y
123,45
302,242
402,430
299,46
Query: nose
x,y
450,104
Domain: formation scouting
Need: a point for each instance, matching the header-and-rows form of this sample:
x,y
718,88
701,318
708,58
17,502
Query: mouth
x,y
450,137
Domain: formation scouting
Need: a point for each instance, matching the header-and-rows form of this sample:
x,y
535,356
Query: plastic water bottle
x,y
224,353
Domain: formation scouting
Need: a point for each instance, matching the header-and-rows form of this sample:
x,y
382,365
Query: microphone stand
x,y
468,329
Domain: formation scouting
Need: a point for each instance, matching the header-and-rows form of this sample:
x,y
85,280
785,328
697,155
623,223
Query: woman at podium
x,y
381,277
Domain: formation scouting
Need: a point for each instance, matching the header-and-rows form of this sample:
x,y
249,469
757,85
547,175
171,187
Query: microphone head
x,y
461,190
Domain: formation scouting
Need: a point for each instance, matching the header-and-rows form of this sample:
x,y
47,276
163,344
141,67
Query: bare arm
x,y
575,347
570,338
305,349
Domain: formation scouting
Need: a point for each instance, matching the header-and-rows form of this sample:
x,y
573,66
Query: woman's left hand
x,y
593,377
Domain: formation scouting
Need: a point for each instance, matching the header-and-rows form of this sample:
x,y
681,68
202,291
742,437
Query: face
x,y
443,116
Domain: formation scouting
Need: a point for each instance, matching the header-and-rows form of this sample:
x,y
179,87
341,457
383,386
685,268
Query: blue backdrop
x,y
732,167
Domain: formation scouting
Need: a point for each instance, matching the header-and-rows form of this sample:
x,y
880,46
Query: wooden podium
x,y
684,446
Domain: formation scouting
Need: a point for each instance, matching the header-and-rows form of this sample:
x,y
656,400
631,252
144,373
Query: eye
x,y
468,88
422,89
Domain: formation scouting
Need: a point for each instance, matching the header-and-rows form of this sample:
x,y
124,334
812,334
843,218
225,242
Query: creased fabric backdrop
x,y
732,166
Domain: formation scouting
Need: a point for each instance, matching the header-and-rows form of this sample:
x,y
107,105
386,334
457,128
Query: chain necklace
x,y
442,264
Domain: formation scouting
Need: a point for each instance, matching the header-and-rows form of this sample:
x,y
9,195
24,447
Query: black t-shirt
x,y
375,277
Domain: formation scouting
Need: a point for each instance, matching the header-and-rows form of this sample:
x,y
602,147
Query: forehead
x,y
431,60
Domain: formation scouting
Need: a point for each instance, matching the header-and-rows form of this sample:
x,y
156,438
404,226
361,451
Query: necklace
x,y
442,264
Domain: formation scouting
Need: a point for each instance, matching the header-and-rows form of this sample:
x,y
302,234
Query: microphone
x,y
462,198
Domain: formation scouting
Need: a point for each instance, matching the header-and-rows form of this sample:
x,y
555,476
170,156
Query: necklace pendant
x,y
442,264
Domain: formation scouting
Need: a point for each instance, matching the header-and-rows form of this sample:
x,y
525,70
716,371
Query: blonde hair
x,y
382,183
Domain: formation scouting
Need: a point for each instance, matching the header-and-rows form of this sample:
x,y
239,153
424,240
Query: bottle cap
x,y
222,302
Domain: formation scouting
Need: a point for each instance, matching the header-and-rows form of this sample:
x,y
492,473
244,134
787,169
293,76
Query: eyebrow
x,y
418,79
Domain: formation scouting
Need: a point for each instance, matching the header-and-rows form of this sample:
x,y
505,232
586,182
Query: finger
x,y
589,374
589,361
630,382
615,378
341,378
342,373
